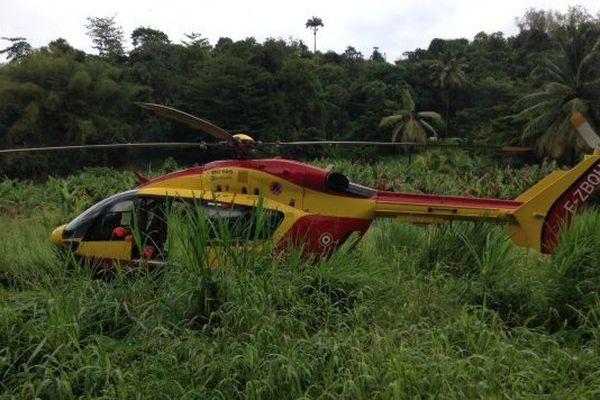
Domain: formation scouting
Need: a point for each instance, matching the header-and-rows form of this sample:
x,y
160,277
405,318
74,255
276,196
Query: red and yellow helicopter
x,y
317,209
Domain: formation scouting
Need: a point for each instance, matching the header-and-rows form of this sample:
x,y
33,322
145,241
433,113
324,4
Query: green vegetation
x,y
447,76
449,311
279,89
412,124
571,85
314,24
453,311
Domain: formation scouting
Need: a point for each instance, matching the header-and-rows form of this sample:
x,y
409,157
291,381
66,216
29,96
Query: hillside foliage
x,y
280,89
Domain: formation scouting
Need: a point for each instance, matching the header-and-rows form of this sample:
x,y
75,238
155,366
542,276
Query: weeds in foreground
x,y
446,311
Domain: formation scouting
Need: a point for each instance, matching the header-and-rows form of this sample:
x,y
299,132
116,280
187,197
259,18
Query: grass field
x,y
451,311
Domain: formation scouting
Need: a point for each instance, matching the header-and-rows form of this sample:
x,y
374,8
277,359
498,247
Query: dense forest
x,y
489,89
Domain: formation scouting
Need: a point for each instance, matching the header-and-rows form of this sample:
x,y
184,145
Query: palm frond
x,y
411,124
558,88
538,108
393,119
431,115
591,85
536,127
407,100
575,105
551,70
413,132
587,61
429,127
533,98
396,131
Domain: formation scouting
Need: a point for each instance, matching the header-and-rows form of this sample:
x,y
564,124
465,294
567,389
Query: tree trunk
x,y
315,42
447,112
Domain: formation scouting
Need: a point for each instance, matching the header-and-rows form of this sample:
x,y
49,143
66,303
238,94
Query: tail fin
x,y
550,204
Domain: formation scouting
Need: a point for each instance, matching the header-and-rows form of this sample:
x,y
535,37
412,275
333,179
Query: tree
x,y
18,49
570,83
553,22
376,55
195,39
314,23
154,62
54,98
538,20
351,54
413,125
143,36
447,76
107,36
447,48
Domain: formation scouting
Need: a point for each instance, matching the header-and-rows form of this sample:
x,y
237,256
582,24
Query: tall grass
x,y
444,172
448,311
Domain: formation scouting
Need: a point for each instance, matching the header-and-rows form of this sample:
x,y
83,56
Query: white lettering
x,y
587,187
579,195
594,179
569,207
584,190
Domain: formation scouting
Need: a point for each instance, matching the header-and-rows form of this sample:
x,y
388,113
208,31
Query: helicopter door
x,y
109,237
220,228
236,228
152,226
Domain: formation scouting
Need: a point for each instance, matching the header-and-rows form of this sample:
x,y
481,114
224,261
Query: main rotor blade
x,y
188,119
110,146
585,130
510,149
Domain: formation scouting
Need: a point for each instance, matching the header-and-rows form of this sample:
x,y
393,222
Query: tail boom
x,y
534,219
423,208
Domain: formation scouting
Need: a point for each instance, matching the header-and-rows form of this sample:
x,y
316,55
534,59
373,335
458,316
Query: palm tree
x,y
447,76
314,23
413,125
571,84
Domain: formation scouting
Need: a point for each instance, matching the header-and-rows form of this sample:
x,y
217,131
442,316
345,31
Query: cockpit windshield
x,y
79,226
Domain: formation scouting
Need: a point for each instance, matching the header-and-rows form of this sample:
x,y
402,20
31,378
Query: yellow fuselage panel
x,y
244,181
291,214
105,249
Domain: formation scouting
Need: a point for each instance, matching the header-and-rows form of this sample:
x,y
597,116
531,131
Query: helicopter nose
x,y
57,234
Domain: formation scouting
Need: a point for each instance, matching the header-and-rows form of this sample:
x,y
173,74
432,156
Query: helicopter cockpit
x,y
130,226
112,207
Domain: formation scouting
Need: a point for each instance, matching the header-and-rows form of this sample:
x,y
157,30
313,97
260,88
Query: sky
x,y
392,26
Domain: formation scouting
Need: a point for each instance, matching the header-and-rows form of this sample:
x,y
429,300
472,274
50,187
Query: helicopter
x,y
317,209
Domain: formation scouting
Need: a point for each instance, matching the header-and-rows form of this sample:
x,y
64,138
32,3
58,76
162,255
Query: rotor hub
x,y
243,138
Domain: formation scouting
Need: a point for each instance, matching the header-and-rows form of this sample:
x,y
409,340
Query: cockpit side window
x,y
222,220
148,216
119,214
240,222
80,225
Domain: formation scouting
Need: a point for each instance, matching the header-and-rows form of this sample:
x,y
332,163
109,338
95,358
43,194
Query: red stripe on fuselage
x,y
314,178
318,234
437,200
176,174
292,171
